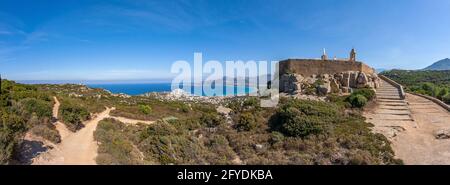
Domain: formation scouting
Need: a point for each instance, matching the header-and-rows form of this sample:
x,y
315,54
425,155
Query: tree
x,y
442,93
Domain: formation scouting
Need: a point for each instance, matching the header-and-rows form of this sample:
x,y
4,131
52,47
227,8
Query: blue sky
x,y
140,39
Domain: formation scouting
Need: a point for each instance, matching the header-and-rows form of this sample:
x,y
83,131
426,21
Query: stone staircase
x,y
391,106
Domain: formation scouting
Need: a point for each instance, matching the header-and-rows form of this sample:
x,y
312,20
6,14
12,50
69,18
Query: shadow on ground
x,y
29,150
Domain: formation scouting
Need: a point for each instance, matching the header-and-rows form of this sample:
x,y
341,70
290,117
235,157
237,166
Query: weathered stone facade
x,y
323,84
321,77
308,67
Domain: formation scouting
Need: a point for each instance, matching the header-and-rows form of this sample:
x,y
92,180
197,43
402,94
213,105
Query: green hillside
x,y
432,83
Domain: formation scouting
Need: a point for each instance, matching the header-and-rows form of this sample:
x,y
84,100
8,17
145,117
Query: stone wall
x,y
321,77
308,67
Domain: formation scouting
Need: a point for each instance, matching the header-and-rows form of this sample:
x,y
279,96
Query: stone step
x,y
387,87
388,94
393,104
391,101
383,87
394,112
393,108
385,91
390,98
396,117
428,103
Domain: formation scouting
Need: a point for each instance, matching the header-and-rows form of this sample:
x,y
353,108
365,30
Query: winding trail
x,y
77,148
410,125
131,121
62,129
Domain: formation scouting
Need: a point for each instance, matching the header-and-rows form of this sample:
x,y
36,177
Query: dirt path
x,y
131,121
62,129
77,148
80,147
410,125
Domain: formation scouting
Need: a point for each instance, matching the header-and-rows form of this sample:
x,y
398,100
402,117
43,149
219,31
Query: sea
x,y
137,89
142,87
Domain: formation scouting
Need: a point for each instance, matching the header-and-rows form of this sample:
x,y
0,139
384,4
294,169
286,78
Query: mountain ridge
x,y
440,65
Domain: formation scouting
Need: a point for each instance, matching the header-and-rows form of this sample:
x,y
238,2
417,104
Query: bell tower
x,y
352,55
324,55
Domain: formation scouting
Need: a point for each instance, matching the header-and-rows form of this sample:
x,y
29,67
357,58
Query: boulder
x,y
259,147
353,79
345,82
297,78
310,80
345,89
324,89
297,88
442,134
325,77
362,80
334,85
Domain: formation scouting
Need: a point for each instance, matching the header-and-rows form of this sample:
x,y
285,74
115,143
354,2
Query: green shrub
x,y
276,137
47,133
250,103
442,93
32,105
357,100
446,98
12,127
429,88
211,120
247,122
145,109
184,108
302,118
73,115
340,101
161,129
114,147
366,92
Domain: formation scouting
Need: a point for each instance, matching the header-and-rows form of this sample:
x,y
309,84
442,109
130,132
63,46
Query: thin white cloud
x,y
4,32
36,36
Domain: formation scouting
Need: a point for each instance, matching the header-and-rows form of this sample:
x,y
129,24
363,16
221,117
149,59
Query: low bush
x,y
47,133
247,122
32,105
145,109
357,100
366,92
446,99
114,146
73,115
12,128
211,120
303,118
